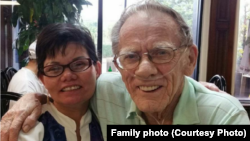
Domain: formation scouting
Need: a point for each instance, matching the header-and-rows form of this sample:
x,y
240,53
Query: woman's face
x,y
71,89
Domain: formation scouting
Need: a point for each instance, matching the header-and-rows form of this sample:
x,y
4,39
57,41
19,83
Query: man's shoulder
x,y
111,102
218,108
221,101
207,97
111,79
109,76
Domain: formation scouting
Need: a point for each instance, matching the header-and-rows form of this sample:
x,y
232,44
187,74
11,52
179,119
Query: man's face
x,y
152,90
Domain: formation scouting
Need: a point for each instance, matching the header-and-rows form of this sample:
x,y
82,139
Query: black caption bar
x,y
177,131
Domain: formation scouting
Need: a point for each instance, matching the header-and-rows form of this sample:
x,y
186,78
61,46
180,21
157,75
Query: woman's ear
x,y
191,60
98,68
41,78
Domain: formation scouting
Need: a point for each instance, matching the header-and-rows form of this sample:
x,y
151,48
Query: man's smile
x,y
149,88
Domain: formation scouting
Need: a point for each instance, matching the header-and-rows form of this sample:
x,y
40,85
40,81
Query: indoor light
x,y
9,3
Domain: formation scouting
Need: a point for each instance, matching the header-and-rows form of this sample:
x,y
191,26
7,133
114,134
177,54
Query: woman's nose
x,y
68,75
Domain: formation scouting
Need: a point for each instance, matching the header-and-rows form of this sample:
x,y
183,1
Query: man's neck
x,y
167,115
32,65
164,117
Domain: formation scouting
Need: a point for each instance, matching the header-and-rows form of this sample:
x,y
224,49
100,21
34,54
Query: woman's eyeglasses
x,y
75,66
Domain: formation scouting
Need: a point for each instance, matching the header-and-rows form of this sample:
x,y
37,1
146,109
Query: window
x,y
89,18
111,11
242,74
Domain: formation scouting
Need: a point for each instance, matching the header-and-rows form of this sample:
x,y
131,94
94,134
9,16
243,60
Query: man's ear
x,y
119,69
190,63
98,68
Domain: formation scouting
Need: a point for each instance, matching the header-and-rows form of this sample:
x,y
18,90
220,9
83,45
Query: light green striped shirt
x,y
197,105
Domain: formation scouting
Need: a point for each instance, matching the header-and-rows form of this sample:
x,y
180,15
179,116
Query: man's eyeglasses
x,y
132,60
75,66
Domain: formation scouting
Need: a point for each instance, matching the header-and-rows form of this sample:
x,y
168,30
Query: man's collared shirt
x,y
197,105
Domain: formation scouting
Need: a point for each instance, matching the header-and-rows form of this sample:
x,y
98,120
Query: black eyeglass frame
x,y
90,61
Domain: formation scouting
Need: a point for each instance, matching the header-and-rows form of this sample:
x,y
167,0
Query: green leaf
x,y
44,12
20,51
31,14
37,11
22,38
48,13
84,2
69,8
78,5
55,10
14,16
24,62
26,44
25,13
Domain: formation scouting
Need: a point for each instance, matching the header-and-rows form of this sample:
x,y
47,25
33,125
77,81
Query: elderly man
x,y
155,54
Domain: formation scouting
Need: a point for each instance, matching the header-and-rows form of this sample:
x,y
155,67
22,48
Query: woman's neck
x,y
73,112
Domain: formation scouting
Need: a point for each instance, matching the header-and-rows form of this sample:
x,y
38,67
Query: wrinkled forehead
x,y
149,29
150,17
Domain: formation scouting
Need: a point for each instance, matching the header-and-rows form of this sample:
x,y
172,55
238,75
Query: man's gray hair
x,y
146,6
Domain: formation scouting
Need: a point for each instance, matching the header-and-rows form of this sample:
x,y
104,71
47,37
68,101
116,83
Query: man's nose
x,y
68,75
146,68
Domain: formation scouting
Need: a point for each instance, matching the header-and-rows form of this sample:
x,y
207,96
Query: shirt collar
x,y
132,111
64,120
186,111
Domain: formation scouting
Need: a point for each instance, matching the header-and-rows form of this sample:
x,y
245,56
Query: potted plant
x,y
34,15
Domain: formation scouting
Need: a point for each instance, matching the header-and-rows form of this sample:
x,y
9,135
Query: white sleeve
x,y
35,134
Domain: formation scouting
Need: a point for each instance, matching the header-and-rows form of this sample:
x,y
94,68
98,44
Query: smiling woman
x,y
68,67
71,86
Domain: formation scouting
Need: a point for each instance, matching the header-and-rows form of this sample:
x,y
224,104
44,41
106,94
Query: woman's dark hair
x,y
55,37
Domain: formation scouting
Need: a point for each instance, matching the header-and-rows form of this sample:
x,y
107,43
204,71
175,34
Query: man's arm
x,y
27,110
23,114
212,87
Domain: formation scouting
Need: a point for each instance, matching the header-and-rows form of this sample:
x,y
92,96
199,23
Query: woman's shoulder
x,y
52,127
35,134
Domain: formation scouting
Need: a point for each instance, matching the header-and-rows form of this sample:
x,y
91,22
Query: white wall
x,y
235,45
204,40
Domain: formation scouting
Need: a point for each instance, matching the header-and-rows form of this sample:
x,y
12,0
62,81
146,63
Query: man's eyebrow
x,y
162,45
127,50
